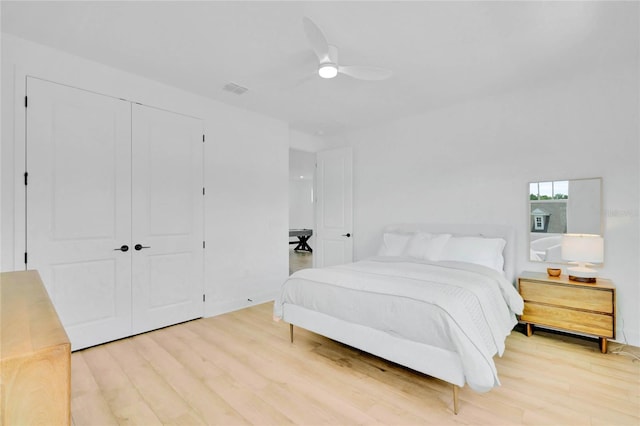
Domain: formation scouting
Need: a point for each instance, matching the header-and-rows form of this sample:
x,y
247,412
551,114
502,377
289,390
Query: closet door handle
x,y
122,248
346,235
140,247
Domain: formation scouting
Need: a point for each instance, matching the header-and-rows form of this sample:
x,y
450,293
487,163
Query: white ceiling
x,y
439,52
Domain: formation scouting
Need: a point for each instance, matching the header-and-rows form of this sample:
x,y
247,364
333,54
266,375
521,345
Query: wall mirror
x,y
562,207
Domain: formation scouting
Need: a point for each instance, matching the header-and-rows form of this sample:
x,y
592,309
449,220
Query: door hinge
x,y
25,102
25,257
203,190
202,138
203,244
26,176
204,297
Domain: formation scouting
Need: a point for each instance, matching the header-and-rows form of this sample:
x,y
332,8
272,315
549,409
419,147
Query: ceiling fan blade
x,y
365,73
317,39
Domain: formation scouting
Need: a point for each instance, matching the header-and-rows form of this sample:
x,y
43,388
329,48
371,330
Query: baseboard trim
x,y
218,308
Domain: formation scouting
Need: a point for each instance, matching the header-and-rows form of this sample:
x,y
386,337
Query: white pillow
x,y
478,250
393,244
426,246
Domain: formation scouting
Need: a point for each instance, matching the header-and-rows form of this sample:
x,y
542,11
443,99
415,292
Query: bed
x,y
438,299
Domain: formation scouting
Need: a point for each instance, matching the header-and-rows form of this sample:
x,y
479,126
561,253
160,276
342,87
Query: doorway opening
x,y
302,167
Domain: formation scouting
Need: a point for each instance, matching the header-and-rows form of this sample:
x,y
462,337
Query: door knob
x,y
122,248
140,247
346,235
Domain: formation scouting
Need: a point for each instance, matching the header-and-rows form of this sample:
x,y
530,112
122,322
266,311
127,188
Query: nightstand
x,y
568,305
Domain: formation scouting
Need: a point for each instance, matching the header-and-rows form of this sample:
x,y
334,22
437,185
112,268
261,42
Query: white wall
x,y
246,172
304,142
471,163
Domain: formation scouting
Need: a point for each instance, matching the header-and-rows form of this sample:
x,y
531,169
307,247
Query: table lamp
x,y
583,250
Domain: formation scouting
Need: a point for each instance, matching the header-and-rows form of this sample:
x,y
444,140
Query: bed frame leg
x,y
291,332
455,399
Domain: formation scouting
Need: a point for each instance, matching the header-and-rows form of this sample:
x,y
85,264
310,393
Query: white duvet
x,y
465,308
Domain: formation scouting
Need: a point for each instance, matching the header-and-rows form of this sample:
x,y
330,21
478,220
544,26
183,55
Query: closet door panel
x,y
79,207
170,180
167,218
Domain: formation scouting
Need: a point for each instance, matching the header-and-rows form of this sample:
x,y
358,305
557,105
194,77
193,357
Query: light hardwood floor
x,y
240,368
299,260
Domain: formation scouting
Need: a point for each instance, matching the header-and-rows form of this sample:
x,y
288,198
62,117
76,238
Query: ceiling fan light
x,y
327,70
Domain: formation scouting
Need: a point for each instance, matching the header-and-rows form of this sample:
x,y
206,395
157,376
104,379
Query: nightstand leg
x,y
529,330
603,344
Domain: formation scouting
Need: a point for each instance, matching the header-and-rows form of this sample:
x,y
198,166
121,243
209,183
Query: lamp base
x,y
590,280
582,274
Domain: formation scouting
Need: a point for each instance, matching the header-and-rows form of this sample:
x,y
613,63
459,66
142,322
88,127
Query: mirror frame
x,y
529,241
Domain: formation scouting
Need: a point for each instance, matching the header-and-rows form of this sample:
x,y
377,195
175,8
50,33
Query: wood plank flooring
x,y
240,368
299,260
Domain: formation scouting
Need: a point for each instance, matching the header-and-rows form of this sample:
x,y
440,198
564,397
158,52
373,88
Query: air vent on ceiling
x,y
234,88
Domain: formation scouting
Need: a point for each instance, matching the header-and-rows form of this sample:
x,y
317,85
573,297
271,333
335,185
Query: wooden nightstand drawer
x,y
568,305
569,296
580,321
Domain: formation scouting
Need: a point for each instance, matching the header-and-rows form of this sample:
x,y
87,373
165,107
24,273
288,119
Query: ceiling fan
x,y
328,57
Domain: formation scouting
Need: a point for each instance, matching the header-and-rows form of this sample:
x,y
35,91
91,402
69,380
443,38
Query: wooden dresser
x,y
568,305
35,364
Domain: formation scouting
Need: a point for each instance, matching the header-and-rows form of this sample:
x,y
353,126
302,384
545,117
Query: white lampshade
x,y
583,249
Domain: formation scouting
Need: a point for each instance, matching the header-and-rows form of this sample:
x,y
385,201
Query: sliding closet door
x,y
167,218
79,207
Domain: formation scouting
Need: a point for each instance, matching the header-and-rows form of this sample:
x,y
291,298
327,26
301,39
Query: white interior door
x,y
167,218
334,239
78,154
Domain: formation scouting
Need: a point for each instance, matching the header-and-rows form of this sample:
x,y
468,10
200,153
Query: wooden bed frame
x,y
433,361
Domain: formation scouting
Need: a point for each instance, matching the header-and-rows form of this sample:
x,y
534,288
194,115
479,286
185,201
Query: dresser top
x,y
28,321
601,283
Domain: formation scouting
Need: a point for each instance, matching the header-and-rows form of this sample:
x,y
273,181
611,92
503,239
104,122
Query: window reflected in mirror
x,y
562,207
